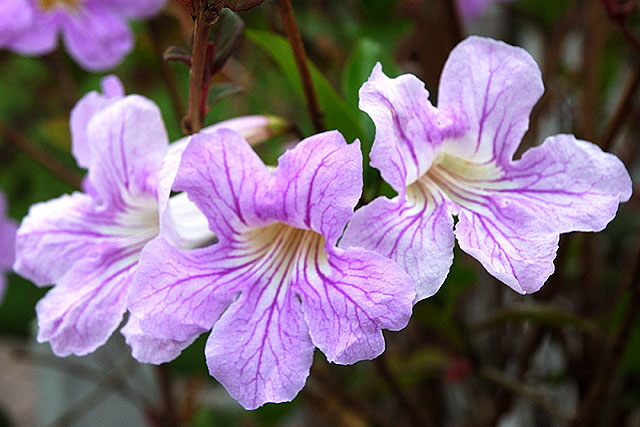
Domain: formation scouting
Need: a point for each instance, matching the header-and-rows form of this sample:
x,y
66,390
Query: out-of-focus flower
x,y
457,159
274,286
95,32
470,9
7,243
88,244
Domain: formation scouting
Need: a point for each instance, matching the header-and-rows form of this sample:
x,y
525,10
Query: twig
x,y
67,86
613,358
40,156
623,110
167,414
295,40
538,399
192,121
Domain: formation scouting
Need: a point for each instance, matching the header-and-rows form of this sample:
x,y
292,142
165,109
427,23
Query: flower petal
x,y
40,36
190,233
7,238
87,304
7,244
407,126
56,234
180,294
128,142
83,112
348,297
225,178
509,244
138,8
16,15
488,88
96,37
260,349
318,183
568,184
416,234
148,349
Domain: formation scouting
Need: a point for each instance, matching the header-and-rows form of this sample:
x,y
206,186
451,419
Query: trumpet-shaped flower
x,y
88,244
95,32
7,244
275,285
457,159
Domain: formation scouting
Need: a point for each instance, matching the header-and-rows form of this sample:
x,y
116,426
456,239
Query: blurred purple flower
x,y
88,244
274,286
470,9
95,32
457,159
7,243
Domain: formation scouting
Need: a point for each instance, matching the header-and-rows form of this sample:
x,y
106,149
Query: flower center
x,y
281,253
462,181
48,5
139,223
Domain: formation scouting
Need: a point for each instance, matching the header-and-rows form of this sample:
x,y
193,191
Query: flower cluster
x,y
95,32
201,235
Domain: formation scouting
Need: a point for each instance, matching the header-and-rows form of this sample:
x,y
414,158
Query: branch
x,y
623,110
612,359
192,121
40,156
295,40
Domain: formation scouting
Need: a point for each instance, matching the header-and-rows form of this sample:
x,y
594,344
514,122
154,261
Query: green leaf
x,y
337,113
220,91
364,57
226,34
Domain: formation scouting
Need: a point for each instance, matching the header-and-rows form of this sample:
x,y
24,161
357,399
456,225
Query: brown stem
x,y
192,121
167,413
67,86
40,156
585,415
155,29
623,110
295,40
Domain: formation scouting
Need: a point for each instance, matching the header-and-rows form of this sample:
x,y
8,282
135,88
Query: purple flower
x,y
274,286
95,32
7,244
88,244
457,159
470,9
